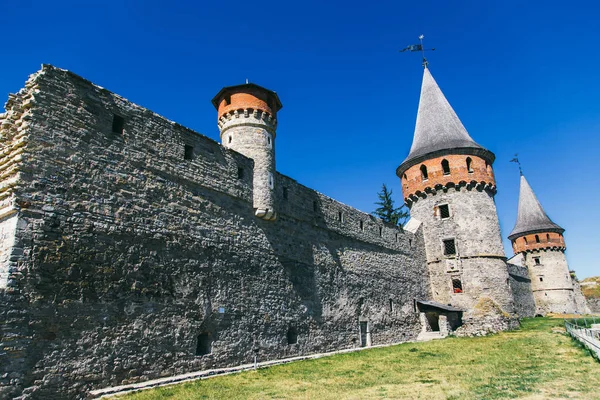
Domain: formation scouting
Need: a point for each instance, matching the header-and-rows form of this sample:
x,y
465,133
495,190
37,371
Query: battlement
x,y
446,172
539,241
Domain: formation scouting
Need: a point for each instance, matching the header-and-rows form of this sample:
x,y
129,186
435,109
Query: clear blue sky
x,y
522,76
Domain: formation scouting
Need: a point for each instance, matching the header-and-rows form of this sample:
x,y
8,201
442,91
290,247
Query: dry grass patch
x,y
536,362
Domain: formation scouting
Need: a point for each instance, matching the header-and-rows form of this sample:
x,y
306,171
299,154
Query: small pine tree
x,y
386,210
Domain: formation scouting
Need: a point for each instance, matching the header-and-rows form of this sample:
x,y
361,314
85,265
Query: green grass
x,y
536,362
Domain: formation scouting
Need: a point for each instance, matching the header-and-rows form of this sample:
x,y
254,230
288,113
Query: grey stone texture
x,y
124,252
593,304
520,285
479,262
551,282
253,135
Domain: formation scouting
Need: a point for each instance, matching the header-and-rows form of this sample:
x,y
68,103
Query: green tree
x,y
387,211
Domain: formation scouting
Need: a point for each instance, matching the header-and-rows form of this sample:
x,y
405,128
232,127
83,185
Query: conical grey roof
x,y
438,128
531,217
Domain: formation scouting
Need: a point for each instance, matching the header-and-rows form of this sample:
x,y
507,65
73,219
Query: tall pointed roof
x,y
438,129
531,217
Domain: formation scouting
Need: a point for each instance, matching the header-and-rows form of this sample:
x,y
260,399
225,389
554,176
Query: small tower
x,y
247,116
541,245
448,184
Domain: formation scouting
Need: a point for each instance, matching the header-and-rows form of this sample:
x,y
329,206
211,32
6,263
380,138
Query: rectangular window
x,y
362,226
444,211
285,193
380,231
188,152
118,124
536,260
240,173
449,247
340,216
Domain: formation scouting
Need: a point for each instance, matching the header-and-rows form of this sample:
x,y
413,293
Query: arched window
x,y
525,239
446,167
548,237
469,165
457,286
424,175
537,239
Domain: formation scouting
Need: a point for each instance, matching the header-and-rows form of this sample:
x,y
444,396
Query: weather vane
x,y
516,160
418,47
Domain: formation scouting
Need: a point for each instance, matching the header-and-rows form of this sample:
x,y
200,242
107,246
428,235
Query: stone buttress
x,y
247,122
541,246
448,183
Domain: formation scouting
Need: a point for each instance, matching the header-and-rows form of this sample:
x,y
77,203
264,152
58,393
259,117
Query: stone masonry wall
x,y
479,262
520,284
128,253
551,282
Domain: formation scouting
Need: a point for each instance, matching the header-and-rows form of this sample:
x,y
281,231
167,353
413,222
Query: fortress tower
x,y
247,117
448,184
541,247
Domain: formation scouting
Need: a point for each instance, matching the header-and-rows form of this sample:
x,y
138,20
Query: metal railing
x,y
579,329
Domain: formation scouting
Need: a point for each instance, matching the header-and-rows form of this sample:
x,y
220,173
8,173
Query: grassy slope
x,y
537,362
589,292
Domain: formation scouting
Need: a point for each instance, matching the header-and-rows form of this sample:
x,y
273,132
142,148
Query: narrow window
x,y
444,211
340,216
188,152
380,231
446,167
469,165
525,239
204,345
391,305
229,138
404,176
315,206
537,239
449,247
396,238
227,100
409,242
362,226
548,238
424,172
457,286
285,193
240,173
118,124
536,260
292,335
271,182
542,280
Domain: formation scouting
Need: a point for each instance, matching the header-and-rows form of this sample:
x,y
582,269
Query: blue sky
x,y
522,76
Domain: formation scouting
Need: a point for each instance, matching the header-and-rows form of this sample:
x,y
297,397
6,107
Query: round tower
x,y
448,184
541,244
247,118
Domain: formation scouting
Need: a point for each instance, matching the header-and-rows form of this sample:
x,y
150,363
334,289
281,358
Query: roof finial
x,y
516,160
418,47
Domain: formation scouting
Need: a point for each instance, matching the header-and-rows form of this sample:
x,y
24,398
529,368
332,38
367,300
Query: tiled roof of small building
x,y
531,217
438,127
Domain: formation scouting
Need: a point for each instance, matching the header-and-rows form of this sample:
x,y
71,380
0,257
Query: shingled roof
x,y
531,217
438,129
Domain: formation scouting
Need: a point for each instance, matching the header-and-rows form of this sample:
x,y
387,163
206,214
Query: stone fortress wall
x,y
520,284
136,253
